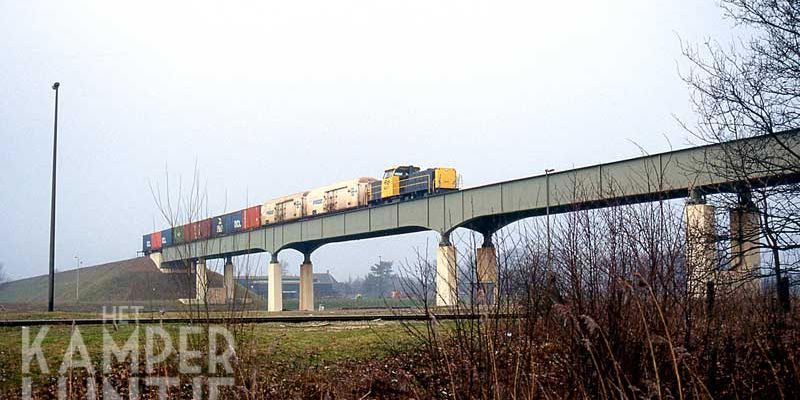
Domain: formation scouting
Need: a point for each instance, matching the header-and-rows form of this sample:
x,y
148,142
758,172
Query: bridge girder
x,y
488,208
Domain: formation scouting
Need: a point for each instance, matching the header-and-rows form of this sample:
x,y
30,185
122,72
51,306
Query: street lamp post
x,y
52,277
78,264
547,208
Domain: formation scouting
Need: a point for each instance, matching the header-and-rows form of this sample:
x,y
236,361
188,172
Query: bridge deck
x,y
666,175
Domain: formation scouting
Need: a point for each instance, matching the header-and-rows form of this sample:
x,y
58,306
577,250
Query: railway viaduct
x,y
689,173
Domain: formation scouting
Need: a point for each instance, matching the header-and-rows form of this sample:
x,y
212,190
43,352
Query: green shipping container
x,y
177,235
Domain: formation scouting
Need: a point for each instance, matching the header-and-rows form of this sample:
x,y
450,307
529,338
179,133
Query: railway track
x,y
286,319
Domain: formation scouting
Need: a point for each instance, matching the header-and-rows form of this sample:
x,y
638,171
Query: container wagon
x,y
398,184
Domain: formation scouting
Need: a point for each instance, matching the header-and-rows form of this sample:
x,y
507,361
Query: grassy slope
x,y
133,281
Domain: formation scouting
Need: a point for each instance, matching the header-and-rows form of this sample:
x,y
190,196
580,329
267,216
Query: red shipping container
x,y
198,230
155,240
251,217
188,232
204,229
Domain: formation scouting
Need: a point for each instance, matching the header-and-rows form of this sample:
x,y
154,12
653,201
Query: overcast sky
x,y
270,99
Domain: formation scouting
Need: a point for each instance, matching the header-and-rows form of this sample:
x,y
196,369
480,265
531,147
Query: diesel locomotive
x,y
398,184
408,182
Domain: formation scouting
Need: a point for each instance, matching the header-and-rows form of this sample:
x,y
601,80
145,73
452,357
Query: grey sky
x,y
286,96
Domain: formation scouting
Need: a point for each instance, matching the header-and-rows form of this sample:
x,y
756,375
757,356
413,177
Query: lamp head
x,y
56,85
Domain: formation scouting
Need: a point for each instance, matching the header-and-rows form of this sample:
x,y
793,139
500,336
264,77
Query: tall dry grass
x,y
609,316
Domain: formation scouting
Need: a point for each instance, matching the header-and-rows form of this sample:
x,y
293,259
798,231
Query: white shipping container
x,y
336,197
339,196
284,208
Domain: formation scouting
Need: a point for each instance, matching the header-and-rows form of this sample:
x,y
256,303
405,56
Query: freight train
x,y
398,184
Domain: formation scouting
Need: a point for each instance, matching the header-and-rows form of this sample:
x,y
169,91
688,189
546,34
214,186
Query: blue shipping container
x,y
233,222
217,226
146,245
226,224
166,237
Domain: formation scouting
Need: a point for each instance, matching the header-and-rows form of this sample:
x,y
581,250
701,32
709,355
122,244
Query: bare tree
x,y
752,88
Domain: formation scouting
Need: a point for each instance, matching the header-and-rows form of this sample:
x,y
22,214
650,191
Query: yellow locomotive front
x,y
408,181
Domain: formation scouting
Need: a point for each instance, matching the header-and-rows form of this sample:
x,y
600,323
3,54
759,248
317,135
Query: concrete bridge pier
x,y
446,273
701,249
745,236
275,288
228,280
486,259
306,293
201,280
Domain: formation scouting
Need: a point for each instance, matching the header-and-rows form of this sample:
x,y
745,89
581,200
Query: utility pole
x,y
549,245
52,278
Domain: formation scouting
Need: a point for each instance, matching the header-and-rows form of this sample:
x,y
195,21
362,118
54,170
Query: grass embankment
x,y
118,282
133,282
